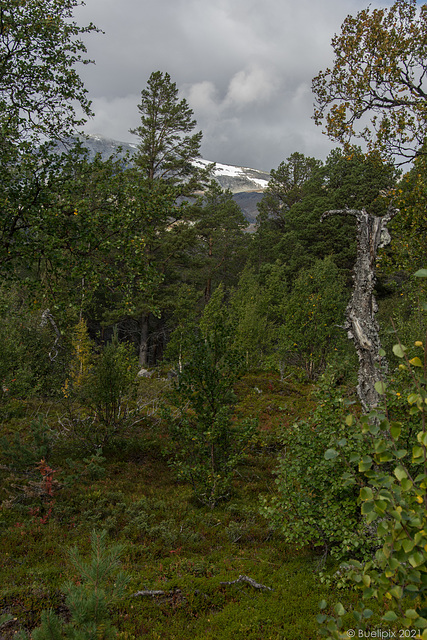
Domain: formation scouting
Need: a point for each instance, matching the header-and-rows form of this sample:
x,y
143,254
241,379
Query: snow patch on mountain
x,y
246,184
237,179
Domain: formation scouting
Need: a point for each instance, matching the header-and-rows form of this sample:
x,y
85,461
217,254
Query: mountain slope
x,y
246,184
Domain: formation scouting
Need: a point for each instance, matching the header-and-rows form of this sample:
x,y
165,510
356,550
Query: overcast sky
x,y
245,67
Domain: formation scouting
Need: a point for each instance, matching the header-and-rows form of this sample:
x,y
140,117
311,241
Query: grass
x,y
170,543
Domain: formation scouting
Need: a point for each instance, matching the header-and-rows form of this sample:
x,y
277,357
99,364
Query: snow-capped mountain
x,y
246,184
237,179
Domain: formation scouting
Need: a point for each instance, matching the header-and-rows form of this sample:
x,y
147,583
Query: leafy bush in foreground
x,y
313,507
394,500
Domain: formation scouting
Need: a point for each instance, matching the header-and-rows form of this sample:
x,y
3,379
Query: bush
x,y
394,501
207,443
98,387
312,507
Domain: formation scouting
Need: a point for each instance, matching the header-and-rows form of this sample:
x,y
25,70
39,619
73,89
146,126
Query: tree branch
x,y
255,585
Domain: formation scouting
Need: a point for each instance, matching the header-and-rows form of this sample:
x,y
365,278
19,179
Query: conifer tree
x,y
221,241
167,145
102,584
165,161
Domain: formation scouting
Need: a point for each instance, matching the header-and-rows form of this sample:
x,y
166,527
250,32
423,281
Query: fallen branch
x,y
8,622
254,584
153,593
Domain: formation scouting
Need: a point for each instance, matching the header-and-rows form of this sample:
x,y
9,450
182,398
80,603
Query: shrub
x,y
394,500
98,388
207,442
313,507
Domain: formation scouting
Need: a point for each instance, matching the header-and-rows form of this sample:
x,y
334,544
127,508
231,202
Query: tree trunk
x,y
208,287
361,324
143,341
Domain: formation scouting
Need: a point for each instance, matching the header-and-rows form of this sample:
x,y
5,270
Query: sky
x,y
244,66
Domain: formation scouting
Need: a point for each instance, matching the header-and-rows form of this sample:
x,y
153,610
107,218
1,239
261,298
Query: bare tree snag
x,y
361,324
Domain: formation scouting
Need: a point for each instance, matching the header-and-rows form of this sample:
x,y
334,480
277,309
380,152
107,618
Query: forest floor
x,y
170,543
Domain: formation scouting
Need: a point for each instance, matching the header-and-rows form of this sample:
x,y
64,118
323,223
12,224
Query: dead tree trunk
x,y
361,324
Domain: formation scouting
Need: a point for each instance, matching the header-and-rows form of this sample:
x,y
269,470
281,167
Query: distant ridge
x,y
246,184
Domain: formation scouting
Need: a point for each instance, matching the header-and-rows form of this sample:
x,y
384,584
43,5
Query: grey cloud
x,y
244,66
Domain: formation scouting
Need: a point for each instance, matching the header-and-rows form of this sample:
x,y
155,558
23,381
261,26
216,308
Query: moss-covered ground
x,y
170,543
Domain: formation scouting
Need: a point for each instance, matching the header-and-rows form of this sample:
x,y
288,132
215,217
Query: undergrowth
x,y
170,543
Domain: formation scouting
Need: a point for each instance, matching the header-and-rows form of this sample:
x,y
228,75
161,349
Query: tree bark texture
x,y
361,324
143,340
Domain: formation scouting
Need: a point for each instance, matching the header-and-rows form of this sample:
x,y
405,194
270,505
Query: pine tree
x,y
165,160
221,241
102,584
167,147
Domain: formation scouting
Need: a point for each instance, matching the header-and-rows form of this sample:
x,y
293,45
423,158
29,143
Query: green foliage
x,y
312,506
166,149
380,56
32,356
215,315
89,470
183,321
352,179
276,327
95,230
81,357
22,455
207,442
286,187
407,250
40,46
101,584
314,310
76,233
112,377
394,471
402,314
253,333
220,241
98,388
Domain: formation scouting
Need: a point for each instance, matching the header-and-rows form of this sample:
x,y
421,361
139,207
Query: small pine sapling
x,y
101,584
